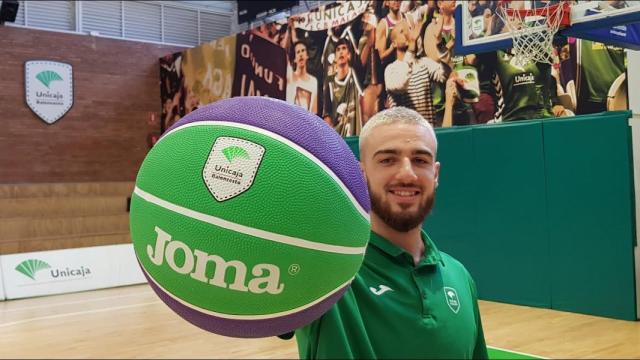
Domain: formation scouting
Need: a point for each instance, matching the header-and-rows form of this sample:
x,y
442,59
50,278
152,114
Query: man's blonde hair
x,y
394,115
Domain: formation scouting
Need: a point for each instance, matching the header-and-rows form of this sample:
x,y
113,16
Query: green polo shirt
x,y
395,309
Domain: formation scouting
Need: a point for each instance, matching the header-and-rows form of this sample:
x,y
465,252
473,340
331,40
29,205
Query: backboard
x,y
479,29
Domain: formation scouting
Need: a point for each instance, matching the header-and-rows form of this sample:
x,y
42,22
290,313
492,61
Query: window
x,y
186,23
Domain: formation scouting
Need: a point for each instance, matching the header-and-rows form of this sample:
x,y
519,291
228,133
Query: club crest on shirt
x,y
451,295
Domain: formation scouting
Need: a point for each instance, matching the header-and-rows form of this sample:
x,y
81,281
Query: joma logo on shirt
x,y
267,276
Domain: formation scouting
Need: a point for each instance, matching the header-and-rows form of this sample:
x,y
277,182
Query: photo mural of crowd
x,y
348,60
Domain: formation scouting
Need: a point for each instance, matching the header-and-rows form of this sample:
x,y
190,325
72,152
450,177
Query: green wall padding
x,y
591,215
452,222
512,235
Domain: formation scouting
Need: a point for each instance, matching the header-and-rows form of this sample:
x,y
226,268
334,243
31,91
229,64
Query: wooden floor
x,y
131,322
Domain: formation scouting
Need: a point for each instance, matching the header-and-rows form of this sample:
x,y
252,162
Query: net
x,y
532,26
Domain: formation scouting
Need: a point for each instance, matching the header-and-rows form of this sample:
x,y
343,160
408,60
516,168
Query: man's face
x,y
447,7
343,55
394,5
399,162
399,35
301,55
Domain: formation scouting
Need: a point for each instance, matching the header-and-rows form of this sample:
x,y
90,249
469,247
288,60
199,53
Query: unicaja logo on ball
x,y
233,152
266,276
231,167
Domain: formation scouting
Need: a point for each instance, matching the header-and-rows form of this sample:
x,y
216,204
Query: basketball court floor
x,y
132,322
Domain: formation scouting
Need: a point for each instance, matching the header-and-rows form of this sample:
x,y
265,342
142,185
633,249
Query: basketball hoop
x,y
533,29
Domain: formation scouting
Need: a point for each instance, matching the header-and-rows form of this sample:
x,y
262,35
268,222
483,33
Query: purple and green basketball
x,y
249,217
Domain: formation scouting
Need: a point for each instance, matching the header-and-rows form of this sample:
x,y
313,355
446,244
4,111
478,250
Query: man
x,y
598,66
408,300
439,38
409,80
342,92
302,87
522,91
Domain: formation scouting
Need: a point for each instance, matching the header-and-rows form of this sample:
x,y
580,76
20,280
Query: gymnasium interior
x,y
541,206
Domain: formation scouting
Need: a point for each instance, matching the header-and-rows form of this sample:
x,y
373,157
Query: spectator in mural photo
x,y
439,38
383,314
481,13
409,80
370,62
597,67
342,94
522,92
273,32
384,46
302,87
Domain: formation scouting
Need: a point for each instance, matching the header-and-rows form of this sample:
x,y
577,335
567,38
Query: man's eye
x,y
386,161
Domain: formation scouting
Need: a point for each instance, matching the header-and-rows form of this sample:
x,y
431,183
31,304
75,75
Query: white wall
x,y
633,72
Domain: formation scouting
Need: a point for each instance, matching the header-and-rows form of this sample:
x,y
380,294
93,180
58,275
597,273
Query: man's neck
x,y
400,54
410,241
342,72
447,19
301,71
395,15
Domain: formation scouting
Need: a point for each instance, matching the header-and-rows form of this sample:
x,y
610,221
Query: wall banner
x,y
324,17
48,88
261,67
69,270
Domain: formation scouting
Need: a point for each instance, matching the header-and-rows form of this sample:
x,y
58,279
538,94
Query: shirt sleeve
x,y
480,350
338,334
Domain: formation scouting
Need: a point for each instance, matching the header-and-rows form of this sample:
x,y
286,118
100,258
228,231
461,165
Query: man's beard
x,y
401,221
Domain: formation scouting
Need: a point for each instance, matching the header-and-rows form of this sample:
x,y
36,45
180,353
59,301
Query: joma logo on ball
x,y
266,276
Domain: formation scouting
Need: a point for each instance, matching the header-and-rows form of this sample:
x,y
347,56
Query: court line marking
x,y
77,313
2,311
518,352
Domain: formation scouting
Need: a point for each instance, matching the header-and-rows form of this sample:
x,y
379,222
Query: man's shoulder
x,y
453,265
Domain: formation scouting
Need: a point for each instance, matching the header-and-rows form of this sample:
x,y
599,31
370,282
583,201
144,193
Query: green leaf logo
x,y
233,152
31,267
47,76
470,77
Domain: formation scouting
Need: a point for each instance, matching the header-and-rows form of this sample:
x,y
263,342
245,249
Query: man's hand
x,y
451,91
558,110
413,33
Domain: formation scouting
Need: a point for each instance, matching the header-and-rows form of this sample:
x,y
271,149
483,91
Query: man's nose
x,y
406,172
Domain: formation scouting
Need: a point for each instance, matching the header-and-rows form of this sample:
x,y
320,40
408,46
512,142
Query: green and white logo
x,y
451,295
48,88
231,167
30,267
47,76
233,152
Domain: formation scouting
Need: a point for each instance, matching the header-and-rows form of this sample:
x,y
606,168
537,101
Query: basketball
x,y
249,217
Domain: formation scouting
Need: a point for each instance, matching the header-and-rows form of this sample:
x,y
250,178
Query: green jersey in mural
x,y
525,91
342,104
599,66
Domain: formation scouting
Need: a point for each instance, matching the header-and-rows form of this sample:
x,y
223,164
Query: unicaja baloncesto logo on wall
x,y
49,89
231,167
35,270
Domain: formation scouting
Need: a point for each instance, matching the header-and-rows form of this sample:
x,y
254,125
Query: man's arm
x,y
326,104
480,350
432,39
451,94
557,108
381,41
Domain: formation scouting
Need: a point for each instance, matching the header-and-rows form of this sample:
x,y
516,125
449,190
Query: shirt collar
x,y
431,254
